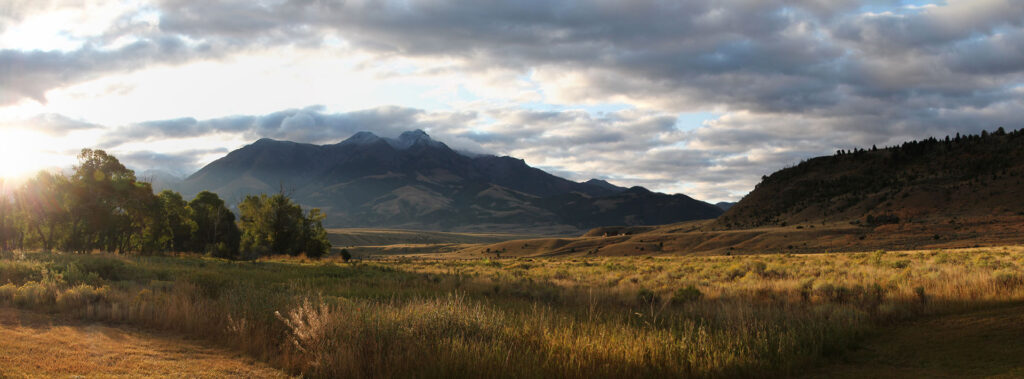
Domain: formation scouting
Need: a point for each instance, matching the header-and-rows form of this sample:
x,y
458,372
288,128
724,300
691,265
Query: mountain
x,y
958,192
725,205
159,179
414,181
932,179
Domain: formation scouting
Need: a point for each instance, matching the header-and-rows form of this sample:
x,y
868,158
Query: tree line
x,y
102,206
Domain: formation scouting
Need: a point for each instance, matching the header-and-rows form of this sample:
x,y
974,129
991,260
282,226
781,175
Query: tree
x,y
43,208
8,219
178,223
314,236
274,224
107,207
216,232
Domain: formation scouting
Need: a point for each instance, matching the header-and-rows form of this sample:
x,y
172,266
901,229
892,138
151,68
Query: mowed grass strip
x,y
37,345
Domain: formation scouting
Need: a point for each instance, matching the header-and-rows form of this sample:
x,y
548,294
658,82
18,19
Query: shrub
x,y
108,268
33,294
75,274
646,296
686,295
833,293
876,257
311,329
901,264
18,272
77,297
7,292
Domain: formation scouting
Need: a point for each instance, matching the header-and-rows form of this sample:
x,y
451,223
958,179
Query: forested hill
x,y
960,176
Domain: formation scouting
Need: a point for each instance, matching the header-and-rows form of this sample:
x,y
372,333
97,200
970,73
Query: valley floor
x,y
38,345
974,344
868,314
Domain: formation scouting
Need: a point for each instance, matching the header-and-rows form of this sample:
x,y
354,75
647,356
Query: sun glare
x,y
22,155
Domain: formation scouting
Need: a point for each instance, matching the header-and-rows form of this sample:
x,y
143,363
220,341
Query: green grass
x,y
758,315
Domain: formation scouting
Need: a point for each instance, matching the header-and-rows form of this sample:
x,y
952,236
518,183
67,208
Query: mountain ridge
x,y
414,181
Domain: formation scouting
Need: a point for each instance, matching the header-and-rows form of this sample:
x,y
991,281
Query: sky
x,y
700,97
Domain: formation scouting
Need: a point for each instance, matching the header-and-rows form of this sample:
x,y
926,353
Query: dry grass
x,y
755,315
705,238
35,345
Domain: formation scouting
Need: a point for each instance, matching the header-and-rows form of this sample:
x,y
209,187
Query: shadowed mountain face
x,y
947,180
414,181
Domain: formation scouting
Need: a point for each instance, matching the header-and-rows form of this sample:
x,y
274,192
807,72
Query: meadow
x,y
695,316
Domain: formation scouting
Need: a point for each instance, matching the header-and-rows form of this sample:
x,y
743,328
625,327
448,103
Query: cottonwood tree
x,y
216,232
109,209
43,208
178,223
274,224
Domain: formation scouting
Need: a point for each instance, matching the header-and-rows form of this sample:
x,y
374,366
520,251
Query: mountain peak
x,y
412,138
361,138
638,190
413,134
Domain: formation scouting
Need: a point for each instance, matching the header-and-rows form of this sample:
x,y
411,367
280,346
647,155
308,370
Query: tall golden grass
x,y
758,315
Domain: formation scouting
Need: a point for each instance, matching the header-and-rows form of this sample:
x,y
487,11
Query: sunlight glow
x,y
22,154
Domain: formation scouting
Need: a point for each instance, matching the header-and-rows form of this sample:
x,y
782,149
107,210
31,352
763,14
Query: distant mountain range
x,y
725,205
414,181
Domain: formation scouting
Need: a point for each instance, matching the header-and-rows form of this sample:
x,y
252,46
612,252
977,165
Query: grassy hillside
x,y
935,180
756,315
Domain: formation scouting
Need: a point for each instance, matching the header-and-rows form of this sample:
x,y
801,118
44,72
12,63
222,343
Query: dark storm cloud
x,y
30,74
765,56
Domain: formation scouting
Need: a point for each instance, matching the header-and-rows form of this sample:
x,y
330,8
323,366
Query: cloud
x,y
52,124
179,163
308,125
30,74
789,79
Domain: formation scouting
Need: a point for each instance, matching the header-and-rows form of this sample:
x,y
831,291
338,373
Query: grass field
x,y
368,242
704,238
714,316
